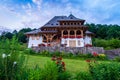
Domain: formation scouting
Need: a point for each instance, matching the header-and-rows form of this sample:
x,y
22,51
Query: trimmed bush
x,y
83,76
105,71
117,59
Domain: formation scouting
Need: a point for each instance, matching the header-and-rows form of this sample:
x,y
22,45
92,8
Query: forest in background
x,y
107,36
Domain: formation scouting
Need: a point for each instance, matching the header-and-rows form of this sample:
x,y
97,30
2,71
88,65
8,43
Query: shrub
x,y
83,76
11,61
102,56
117,59
45,53
29,51
105,71
50,72
89,55
34,74
64,76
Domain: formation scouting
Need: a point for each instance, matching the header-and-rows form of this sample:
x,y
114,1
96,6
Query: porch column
x,y
68,33
75,33
62,33
81,33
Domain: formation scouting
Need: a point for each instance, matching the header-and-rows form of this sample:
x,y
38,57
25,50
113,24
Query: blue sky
x,y
17,14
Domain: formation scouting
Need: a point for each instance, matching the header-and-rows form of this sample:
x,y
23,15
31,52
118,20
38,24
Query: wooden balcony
x,y
72,36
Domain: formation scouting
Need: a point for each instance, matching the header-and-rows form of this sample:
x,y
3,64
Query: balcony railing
x,y
72,36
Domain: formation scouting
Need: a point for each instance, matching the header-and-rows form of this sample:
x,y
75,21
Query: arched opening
x,y
72,32
55,38
44,39
65,32
78,32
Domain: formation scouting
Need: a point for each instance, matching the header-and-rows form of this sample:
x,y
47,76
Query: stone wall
x,y
72,50
113,53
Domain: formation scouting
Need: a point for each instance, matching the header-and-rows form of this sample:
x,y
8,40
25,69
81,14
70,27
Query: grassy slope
x,y
72,65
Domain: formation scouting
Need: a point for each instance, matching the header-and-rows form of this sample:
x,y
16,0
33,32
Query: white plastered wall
x,y
88,40
34,42
76,39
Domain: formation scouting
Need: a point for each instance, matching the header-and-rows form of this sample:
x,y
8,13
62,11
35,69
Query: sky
x,y
18,14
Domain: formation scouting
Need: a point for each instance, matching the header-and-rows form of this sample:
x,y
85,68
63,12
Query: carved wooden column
x,y
81,33
75,33
62,33
68,33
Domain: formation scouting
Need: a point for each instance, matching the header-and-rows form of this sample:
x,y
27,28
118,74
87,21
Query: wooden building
x,y
61,31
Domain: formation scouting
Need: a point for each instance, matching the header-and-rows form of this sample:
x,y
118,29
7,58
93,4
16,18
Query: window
x,y
78,42
65,41
65,32
78,32
68,23
64,23
72,32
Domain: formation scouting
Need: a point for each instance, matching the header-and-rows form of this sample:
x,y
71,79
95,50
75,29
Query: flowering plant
x,y
95,54
65,36
71,36
60,64
88,45
78,36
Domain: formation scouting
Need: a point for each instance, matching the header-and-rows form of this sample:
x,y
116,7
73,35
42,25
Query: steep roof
x,y
55,20
39,31
33,32
88,32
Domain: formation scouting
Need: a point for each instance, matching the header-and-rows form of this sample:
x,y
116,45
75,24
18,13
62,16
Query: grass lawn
x,y
72,65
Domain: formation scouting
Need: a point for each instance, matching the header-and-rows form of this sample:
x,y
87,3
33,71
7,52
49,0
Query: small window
x,y
71,23
79,42
65,41
64,23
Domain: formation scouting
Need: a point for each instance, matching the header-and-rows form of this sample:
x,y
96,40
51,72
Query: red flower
x,y
63,63
95,54
59,58
53,58
88,60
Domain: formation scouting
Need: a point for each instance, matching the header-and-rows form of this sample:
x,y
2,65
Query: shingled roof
x,y
34,31
55,20
88,32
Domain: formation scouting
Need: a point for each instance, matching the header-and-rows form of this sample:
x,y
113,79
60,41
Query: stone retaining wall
x,y
113,53
72,50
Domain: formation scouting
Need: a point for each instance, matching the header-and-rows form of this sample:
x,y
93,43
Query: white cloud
x,y
38,3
